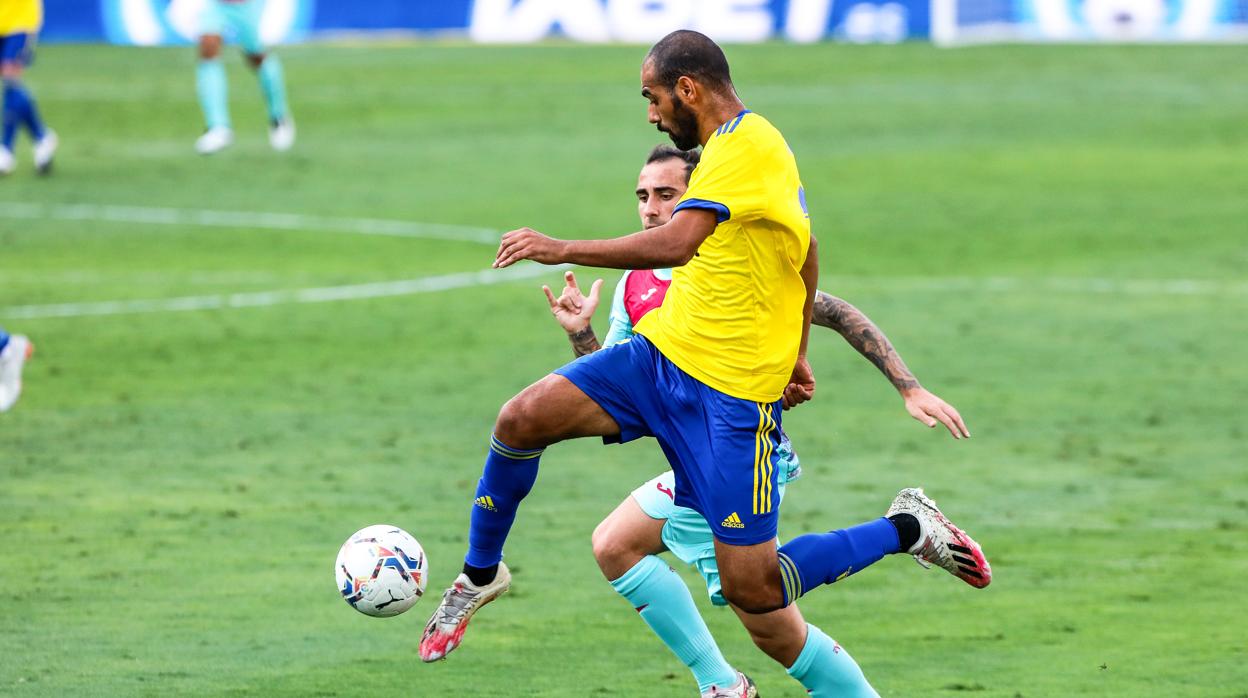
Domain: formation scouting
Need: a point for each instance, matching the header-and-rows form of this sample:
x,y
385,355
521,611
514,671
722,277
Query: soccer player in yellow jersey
x,y
648,522
707,374
20,22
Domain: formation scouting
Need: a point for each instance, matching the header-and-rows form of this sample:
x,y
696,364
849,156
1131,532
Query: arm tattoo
x,y
584,342
864,336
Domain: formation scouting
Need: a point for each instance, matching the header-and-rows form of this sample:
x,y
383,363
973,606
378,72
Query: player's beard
x,y
684,127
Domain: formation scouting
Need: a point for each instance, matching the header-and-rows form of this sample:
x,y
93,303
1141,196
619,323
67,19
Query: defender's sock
x,y
509,475
14,107
213,93
826,670
823,558
664,602
4,339
273,85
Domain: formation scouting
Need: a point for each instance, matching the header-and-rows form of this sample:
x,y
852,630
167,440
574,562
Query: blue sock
x,y
14,109
664,602
823,558
213,93
509,475
20,109
826,670
31,117
273,85
4,339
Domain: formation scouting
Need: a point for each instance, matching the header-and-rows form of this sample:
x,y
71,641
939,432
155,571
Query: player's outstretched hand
x,y
572,309
930,409
527,243
801,386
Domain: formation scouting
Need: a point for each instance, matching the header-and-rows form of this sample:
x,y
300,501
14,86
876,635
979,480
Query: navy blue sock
x,y
509,475
13,96
24,111
823,558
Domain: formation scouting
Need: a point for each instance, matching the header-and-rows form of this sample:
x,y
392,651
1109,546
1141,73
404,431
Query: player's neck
x,y
724,109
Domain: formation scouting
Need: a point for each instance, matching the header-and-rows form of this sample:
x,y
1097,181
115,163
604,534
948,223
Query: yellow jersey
x,y
733,315
20,17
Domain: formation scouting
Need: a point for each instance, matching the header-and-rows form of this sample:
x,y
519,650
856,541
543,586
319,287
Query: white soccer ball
x,y
381,570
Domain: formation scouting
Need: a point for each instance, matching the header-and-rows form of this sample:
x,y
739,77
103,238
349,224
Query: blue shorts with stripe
x,y
17,48
723,449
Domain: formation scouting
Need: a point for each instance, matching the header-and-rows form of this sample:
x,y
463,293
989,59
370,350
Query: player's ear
x,y
686,89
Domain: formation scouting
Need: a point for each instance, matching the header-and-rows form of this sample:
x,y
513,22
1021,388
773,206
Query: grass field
x,y
1056,239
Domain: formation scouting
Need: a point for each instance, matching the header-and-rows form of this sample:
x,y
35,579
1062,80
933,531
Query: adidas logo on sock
x,y
733,521
486,502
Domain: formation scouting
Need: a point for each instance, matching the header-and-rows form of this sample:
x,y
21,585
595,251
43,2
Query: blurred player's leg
x,y
213,91
244,19
273,85
20,109
624,546
210,82
14,350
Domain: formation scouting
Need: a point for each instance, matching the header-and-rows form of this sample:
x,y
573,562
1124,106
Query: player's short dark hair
x,y
664,152
686,52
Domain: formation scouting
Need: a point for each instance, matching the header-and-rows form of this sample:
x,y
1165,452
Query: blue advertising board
x,y
152,22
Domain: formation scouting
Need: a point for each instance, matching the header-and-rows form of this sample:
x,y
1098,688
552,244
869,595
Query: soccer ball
x,y
381,570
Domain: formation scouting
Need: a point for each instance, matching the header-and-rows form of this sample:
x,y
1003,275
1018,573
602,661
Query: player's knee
x,y
255,59
209,46
612,551
516,424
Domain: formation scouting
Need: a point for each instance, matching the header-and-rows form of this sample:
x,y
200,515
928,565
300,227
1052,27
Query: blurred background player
x,y
648,522
241,20
14,350
20,21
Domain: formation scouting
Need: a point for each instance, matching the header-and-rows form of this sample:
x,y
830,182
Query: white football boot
x,y
445,629
12,358
940,542
282,134
44,150
214,140
8,163
743,688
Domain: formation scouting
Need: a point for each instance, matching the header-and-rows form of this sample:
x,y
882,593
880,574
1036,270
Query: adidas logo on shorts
x,y
486,502
733,521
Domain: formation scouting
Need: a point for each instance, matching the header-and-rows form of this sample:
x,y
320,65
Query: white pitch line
x,y
326,294
248,219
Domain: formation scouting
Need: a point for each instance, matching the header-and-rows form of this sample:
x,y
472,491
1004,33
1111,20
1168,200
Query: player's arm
x,y
865,337
672,244
574,311
802,384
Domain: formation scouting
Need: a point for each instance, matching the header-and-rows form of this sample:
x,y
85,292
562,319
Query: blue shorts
x,y
723,449
17,48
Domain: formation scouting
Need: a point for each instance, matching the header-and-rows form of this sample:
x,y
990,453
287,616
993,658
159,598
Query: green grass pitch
x,y
1055,238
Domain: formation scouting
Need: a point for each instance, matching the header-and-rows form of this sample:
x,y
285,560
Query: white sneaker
x,y
8,163
940,542
44,150
743,688
445,629
214,140
12,357
282,134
